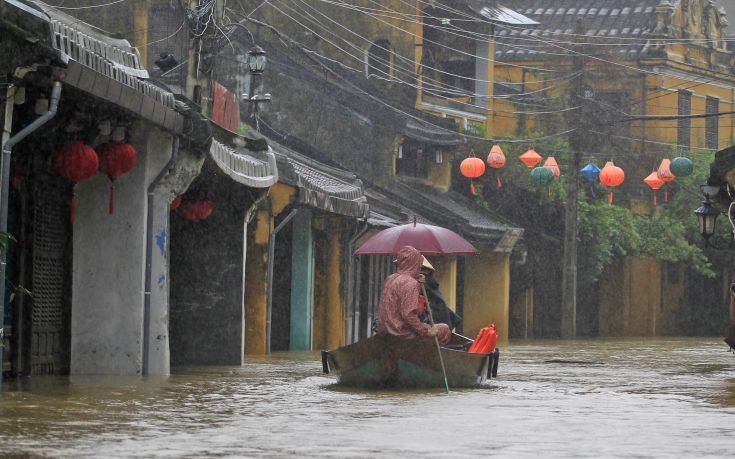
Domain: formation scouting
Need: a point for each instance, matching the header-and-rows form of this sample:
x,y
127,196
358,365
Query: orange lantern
x,y
550,163
665,174
472,168
496,160
654,182
611,175
530,158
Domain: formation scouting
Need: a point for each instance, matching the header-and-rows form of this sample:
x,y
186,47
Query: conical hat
x,y
426,264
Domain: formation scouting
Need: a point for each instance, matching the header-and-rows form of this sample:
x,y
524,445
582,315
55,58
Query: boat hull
x,y
390,362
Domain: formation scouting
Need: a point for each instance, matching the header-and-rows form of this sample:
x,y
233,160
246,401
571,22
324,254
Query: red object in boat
x,y
486,340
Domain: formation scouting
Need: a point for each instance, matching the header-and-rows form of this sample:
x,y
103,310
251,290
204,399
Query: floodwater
x,y
652,398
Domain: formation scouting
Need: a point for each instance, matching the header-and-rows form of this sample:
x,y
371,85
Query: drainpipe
x,y
360,230
271,255
5,178
149,254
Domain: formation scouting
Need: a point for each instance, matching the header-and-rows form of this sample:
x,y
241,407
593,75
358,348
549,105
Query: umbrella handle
x,y
436,339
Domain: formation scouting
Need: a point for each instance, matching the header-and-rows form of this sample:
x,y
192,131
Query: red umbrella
x,y
427,239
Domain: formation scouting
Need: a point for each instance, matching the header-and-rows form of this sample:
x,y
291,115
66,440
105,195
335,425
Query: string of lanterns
x,y
77,161
611,176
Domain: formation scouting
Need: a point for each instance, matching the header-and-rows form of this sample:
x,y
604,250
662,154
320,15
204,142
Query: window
x,y
379,60
712,123
412,161
684,125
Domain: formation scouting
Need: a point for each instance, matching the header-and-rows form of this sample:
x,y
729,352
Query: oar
x,y
436,338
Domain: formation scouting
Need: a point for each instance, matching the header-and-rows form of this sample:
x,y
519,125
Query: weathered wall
x,y
109,266
486,293
631,298
207,311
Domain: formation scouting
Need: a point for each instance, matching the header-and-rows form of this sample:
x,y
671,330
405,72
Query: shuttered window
x,y
712,123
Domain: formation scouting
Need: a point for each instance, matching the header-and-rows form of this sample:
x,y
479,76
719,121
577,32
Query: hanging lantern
x,y
530,158
175,203
472,168
542,176
612,176
496,160
116,158
196,211
654,182
591,172
75,162
551,164
682,166
665,174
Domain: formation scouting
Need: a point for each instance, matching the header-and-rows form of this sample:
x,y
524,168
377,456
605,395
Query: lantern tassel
x,y
73,206
472,188
500,184
666,196
592,191
548,190
654,199
111,205
609,198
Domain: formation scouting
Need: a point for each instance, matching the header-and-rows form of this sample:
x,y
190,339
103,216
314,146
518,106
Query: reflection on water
x,y
653,398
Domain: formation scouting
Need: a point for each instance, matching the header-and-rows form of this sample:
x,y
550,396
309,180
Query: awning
x,y
242,165
320,186
103,66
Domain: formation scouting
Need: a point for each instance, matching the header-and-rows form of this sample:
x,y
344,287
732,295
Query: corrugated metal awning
x,y
321,186
499,14
244,168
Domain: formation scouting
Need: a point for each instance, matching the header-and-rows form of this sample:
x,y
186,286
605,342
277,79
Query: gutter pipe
x,y
5,178
271,255
360,230
149,254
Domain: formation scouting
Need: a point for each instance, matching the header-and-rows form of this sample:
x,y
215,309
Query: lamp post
x,y
707,216
256,63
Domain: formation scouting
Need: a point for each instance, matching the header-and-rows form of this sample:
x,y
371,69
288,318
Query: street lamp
x,y
256,60
707,215
256,65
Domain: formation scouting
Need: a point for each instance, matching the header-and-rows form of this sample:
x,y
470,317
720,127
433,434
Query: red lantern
x,y
496,160
472,168
116,158
530,158
196,211
665,174
175,203
654,182
75,162
550,163
611,175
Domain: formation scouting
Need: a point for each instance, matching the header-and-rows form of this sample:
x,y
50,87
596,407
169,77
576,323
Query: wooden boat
x,y
388,362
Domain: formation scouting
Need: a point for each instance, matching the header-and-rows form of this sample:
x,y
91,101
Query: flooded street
x,y
658,398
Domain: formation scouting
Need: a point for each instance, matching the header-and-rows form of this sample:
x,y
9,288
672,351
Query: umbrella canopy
x,y
427,239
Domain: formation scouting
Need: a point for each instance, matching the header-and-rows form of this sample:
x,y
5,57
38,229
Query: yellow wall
x,y
486,293
328,325
256,268
631,299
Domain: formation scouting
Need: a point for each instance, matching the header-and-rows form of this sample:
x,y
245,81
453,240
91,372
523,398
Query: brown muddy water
x,y
653,398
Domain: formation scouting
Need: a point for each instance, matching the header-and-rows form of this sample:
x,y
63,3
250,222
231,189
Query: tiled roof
x,y
321,186
601,19
243,167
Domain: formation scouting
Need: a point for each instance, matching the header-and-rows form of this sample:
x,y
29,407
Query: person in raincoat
x,y
439,308
398,310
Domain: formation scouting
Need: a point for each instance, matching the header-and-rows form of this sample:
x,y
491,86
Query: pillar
x,y
302,281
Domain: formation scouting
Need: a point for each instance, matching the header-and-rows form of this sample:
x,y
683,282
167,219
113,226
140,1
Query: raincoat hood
x,y
409,261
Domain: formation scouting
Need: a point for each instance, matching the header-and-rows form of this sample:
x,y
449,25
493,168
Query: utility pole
x,y
577,119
